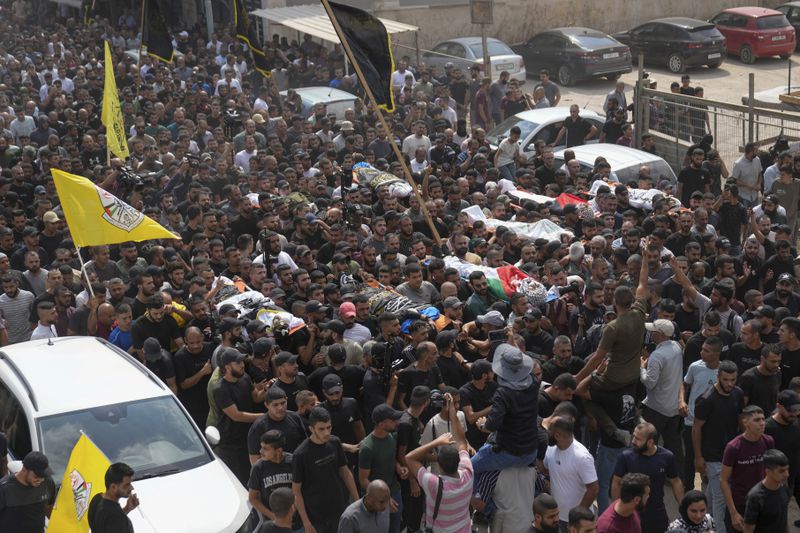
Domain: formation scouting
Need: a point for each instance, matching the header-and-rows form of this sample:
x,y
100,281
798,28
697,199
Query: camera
x,y
566,289
129,179
231,117
353,216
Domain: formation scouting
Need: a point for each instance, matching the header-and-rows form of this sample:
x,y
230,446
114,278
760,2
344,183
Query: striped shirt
x,y
453,514
16,311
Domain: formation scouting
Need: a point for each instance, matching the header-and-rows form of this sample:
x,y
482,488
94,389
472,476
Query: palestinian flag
x,y
503,281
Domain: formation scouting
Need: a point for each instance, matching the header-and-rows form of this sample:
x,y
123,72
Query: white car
x,y
51,390
464,52
625,162
539,125
336,101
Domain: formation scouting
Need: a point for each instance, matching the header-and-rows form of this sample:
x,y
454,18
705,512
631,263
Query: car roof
x,y
549,114
322,94
469,41
71,373
681,22
575,31
753,12
617,156
790,4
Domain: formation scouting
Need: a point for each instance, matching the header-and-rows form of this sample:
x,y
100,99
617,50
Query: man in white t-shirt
x,y
242,158
505,159
417,140
748,176
46,328
399,76
573,478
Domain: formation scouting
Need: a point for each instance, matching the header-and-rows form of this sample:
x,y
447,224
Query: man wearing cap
x,y
662,377
50,238
192,373
30,243
259,367
235,396
277,417
289,377
159,362
351,375
230,331
377,459
345,416
537,340
784,294
27,497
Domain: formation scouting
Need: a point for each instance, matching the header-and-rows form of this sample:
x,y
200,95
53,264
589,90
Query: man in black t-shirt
x,y
159,362
277,417
289,377
693,177
27,497
105,513
783,427
192,373
476,400
422,372
409,432
234,396
345,416
155,322
767,507
576,129
271,472
319,469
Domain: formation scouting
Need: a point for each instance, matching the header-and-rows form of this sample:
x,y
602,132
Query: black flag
x,y
155,35
371,48
246,33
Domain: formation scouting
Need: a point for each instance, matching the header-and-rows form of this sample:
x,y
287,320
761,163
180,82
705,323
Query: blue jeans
x,y
605,462
714,495
508,172
487,459
396,518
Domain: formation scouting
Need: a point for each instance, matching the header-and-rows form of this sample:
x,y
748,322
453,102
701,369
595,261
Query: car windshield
x,y
154,437
593,42
771,22
500,131
496,48
704,32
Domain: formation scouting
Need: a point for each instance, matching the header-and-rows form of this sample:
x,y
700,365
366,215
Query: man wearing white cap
x,y
662,376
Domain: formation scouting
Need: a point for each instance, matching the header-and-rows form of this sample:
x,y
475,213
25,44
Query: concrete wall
x,y
517,20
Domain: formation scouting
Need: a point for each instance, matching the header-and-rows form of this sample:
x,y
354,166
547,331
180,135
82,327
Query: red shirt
x,y
746,459
612,522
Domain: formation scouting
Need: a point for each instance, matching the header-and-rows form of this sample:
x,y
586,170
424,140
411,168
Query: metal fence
x,y
677,121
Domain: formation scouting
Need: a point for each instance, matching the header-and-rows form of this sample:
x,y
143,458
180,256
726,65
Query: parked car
x,y
465,52
625,162
538,125
676,42
753,32
574,54
791,10
52,390
336,101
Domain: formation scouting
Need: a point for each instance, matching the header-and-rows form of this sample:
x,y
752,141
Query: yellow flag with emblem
x,y
83,478
95,216
112,111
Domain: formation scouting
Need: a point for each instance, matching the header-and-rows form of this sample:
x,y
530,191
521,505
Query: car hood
x,y
206,499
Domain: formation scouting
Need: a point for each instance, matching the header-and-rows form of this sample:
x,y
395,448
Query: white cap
x,y
665,327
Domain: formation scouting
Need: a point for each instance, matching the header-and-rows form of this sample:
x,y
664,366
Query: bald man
x,y
105,320
370,514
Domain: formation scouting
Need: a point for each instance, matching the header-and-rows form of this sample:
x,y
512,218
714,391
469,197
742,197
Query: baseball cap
x,y
152,349
570,208
313,306
302,250
452,302
346,125
332,384
493,318
789,399
786,277
262,346
347,309
337,353
723,243
50,217
284,357
445,338
277,293
230,355
39,190
765,311
229,323
255,326
30,231
533,314
337,326
37,463
385,412
665,327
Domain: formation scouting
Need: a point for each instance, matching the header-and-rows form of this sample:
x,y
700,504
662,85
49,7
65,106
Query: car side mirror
x,y
212,435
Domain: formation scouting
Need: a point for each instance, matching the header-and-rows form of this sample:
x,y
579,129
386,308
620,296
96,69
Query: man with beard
x,y
158,323
481,300
780,263
192,372
351,374
235,396
693,177
784,295
461,250
146,288
289,377
545,514
623,515
782,426
354,331
105,513
677,242
646,457
230,329
750,262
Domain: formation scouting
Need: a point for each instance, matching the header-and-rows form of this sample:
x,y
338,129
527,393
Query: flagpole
x,y
141,40
371,97
83,271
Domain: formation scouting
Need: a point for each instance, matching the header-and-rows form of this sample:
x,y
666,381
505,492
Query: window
x,y
771,22
643,32
14,424
723,19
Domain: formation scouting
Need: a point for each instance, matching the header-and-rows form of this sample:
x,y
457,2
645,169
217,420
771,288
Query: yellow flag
x,y
112,112
83,478
96,216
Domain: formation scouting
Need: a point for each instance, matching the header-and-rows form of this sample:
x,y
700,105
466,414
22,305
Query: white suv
x,y
51,390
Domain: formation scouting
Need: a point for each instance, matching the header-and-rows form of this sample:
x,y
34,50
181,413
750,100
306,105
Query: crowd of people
x,y
666,353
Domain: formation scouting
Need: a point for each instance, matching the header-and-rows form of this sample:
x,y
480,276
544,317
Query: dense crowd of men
x,y
667,354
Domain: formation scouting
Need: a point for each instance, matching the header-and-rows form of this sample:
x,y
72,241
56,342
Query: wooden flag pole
x,y
371,97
